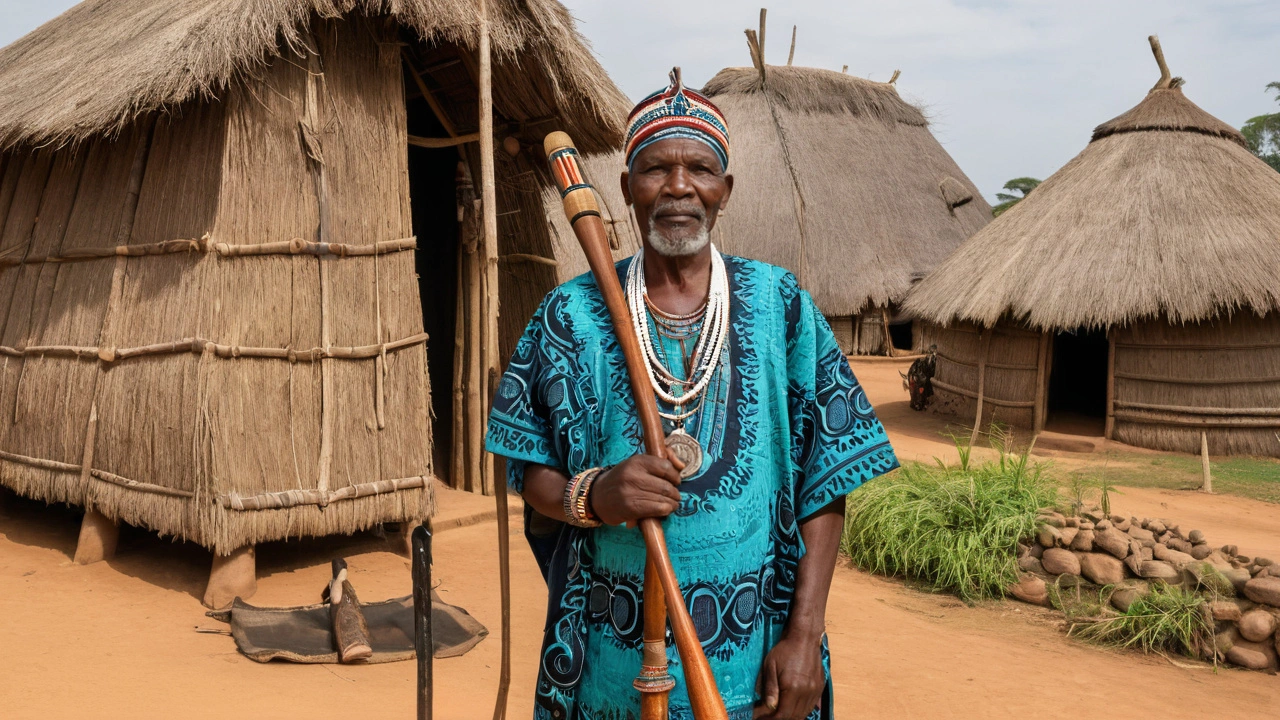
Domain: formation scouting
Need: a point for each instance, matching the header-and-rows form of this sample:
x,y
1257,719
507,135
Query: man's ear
x,y
626,186
728,190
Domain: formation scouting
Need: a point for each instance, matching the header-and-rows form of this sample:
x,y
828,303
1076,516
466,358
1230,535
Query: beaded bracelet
x,y
576,507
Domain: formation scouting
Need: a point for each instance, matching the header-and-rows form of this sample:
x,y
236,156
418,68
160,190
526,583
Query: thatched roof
x,y
839,180
1164,213
101,64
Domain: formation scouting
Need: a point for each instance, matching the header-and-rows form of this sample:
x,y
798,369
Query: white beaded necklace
x,y
707,351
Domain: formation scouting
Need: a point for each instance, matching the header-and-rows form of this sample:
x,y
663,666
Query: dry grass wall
x,y
1011,372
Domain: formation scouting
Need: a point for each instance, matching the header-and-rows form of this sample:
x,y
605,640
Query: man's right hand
x,y
642,486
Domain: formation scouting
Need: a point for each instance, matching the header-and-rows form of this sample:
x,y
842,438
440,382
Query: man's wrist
x,y
805,631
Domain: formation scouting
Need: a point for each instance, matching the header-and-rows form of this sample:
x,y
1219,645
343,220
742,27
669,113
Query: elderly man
x,y
757,400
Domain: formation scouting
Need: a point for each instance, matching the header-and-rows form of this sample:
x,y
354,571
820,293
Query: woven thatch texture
x,y
103,63
1143,223
1011,371
840,181
197,423
1232,365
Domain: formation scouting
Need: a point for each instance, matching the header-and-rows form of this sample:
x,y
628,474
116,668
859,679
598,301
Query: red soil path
x,y
118,639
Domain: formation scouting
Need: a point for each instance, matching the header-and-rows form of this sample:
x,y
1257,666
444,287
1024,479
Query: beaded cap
x,y
677,112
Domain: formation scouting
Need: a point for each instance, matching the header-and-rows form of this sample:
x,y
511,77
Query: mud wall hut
x,y
213,219
1135,294
839,180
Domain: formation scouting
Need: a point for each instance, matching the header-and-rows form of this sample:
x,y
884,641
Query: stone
x,y
1196,537
1239,577
1093,515
1134,563
1112,541
1053,519
1229,550
1102,525
1201,575
1072,522
1083,541
1171,556
1241,561
1030,589
1224,610
1124,595
1157,570
1048,536
1225,638
1122,524
1264,562
1145,552
1037,550
1058,561
98,537
1257,625
1252,655
1156,527
1180,545
1143,536
1067,581
1101,568
1067,535
1086,525
1030,564
233,576
1218,560
1201,551
1265,590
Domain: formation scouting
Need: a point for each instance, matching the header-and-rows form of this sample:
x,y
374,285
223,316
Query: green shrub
x,y
955,528
1169,619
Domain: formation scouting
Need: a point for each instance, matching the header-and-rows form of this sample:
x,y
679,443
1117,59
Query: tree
x,y
1022,186
1263,133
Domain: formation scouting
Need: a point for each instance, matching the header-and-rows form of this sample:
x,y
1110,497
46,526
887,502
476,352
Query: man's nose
x,y
678,184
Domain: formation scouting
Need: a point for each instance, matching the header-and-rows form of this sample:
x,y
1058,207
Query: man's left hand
x,y
791,679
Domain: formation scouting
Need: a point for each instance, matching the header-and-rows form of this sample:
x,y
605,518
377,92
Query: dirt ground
x,y
120,639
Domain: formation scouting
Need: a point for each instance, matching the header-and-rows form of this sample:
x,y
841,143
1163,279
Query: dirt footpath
x,y
119,639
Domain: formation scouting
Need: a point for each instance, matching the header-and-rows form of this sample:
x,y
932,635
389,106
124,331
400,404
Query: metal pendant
x,y
687,450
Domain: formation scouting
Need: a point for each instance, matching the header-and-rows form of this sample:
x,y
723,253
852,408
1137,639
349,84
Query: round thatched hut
x,y
1136,291
228,232
839,180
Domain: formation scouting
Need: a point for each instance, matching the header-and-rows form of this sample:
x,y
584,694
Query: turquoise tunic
x,y
786,430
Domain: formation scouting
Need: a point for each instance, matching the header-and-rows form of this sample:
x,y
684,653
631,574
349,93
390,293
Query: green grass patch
x,y
1169,619
1250,477
953,527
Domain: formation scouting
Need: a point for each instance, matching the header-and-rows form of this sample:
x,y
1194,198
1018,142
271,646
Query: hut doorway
x,y
1078,383
433,205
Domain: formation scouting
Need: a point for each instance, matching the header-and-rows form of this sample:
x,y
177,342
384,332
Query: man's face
x,y
678,188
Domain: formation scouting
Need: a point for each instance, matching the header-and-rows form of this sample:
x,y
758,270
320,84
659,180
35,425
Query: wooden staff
x,y
583,211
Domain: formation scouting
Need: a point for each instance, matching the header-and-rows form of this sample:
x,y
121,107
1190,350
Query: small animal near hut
x,y
839,180
213,219
1135,293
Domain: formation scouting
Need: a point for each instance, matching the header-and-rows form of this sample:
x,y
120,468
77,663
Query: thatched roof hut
x,y
839,180
1143,277
212,224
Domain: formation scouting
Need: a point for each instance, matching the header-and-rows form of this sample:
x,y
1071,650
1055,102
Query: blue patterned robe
x,y
787,430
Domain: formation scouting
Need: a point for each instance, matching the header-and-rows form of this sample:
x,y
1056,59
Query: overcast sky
x,y
1013,87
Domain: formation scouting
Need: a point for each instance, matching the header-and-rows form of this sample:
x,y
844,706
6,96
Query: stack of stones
x,y
1131,554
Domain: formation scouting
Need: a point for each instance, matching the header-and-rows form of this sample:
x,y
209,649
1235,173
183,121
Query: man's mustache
x,y
675,207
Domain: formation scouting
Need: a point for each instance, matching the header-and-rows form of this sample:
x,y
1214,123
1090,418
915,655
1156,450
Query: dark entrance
x,y
1078,382
900,334
435,223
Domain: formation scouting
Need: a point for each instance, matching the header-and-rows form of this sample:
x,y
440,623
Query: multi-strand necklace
x,y
700,367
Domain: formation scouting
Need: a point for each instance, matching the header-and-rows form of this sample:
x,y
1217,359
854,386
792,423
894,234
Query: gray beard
x,y
678,247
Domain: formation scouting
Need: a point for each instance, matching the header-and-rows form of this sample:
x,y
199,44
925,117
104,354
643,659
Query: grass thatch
x,y
103,63
840,181
955,528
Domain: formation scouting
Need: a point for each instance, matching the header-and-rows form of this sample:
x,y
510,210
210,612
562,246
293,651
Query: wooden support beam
x,y
1207,483
1042,389
431,99
426,142
1110,428
985,346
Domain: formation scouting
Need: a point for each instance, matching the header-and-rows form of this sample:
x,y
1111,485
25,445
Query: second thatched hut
x,y
1135,294
839,180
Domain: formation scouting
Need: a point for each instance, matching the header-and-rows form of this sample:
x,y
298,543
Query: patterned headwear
x,y
677,112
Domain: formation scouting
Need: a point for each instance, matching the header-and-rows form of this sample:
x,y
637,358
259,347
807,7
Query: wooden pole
x,y
1207,484
791,56
1042,376
1109,429
857,334
458,460
984,344
488,205
888,340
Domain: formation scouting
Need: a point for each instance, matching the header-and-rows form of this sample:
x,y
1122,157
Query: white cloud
x,y
1014,87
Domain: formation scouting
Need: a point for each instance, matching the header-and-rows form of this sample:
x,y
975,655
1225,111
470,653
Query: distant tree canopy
x,y
1263,133
1022,186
